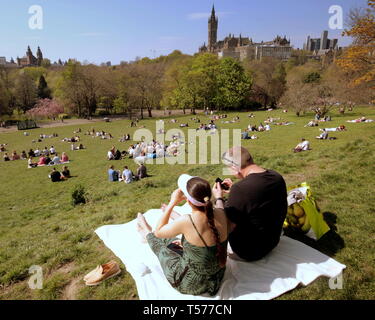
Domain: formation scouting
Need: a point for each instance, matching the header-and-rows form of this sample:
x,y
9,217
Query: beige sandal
x,y
101,273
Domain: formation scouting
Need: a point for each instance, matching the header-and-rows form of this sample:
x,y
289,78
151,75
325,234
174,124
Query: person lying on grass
x,y
196,263
323,135
304,145
340,128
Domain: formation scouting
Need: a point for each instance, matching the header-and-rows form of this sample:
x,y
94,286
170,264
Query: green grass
x,y
39,225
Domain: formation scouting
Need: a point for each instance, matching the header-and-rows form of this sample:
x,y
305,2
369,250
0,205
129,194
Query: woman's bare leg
x,y
143,227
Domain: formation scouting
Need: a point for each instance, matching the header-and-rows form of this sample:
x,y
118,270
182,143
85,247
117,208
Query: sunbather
x,y
304,145
196,264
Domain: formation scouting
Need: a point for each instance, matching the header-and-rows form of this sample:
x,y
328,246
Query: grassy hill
x,y
39,225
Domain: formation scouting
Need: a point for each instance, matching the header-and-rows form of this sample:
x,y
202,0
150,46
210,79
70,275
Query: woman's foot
x,y
143,227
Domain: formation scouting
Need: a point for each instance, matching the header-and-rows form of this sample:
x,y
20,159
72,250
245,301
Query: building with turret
x,y
29,60
243,48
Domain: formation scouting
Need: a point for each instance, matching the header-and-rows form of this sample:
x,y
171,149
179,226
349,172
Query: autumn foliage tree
x,y
359,59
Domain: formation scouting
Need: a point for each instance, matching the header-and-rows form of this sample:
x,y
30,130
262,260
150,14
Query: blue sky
x,y
115,30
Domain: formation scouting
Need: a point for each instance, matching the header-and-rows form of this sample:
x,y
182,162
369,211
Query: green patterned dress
x,y
192,270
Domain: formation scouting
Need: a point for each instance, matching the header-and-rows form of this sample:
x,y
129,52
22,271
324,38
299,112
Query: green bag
x,y
303,214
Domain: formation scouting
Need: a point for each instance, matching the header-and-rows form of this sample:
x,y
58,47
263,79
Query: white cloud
x,y
205,15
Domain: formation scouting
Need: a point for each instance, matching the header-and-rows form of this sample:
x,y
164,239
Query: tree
x,y
25,92
312,77
120,105
173,83
46,63
359,59
7,98
267,87
144,85
80,86
299,96
46,108
302,88
233,85
43,91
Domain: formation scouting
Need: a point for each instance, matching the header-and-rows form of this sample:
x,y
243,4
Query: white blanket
x,y
288,265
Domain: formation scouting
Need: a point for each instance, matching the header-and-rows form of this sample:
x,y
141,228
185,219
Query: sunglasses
x,y
230,160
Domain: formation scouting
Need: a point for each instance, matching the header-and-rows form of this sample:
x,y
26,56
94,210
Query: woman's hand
x,y
217,192
177,243
176,197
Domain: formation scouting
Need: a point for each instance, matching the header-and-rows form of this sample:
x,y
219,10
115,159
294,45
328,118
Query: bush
x,y
78,195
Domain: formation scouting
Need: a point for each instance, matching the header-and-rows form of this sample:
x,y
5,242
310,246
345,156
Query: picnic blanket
x,y
288,265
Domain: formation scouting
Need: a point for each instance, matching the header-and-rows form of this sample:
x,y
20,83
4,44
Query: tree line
x,y
201,81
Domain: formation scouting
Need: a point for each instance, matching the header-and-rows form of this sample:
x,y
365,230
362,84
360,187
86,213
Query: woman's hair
x,y
200,190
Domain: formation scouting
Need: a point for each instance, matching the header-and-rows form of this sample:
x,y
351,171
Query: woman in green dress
x,y
196,263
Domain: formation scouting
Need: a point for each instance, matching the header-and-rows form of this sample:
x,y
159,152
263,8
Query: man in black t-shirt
x,y
55,175
256,207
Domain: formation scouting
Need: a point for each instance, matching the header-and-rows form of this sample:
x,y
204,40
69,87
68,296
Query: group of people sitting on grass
x,y
99,134
127,175
48,160
57,176
125,137
14,156
250,220
260,128
115,154
210,126
219,117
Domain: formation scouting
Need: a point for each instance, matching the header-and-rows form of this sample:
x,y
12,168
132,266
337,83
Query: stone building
x,y
243,48
322,43
29,60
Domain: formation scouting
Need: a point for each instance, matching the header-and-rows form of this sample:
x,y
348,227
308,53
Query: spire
x,y
213,11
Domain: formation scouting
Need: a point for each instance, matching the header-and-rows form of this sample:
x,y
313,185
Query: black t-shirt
x,y
66,173
55,176
257,205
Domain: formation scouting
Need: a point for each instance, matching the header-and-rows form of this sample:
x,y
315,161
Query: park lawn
x,y
40,226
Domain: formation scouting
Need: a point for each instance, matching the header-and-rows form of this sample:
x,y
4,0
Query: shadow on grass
x,y
329,244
